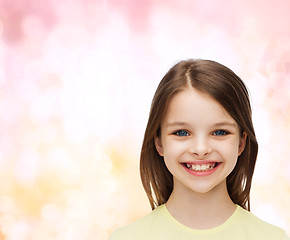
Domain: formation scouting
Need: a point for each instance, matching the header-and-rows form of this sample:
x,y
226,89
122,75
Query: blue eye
x,y
181,133
220,133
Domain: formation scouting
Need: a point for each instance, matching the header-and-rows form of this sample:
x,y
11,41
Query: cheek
x,y
230,150
173,148
173,152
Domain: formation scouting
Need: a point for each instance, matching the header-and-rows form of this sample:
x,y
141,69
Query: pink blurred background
x,y
76,82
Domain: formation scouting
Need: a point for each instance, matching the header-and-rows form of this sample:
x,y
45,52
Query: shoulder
x,y
138,229
256,226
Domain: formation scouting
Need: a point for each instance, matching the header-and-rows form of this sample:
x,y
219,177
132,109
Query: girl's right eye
x,y
181,133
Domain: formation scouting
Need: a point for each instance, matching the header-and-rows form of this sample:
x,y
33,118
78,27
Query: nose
x,y
200,146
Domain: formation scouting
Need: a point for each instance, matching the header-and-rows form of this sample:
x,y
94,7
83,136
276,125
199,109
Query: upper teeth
x,y
202,167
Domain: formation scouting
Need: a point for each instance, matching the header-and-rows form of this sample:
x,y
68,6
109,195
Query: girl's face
x,y
200,141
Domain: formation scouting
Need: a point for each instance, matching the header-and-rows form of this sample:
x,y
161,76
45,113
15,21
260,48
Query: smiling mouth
x,y
201,167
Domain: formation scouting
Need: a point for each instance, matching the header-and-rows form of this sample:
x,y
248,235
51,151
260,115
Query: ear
x,y
158,145
243,142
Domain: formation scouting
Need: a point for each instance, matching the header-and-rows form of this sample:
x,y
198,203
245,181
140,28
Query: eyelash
x,y
177,133
221,130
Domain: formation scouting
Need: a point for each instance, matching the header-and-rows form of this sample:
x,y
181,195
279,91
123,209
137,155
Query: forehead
x,y
194,106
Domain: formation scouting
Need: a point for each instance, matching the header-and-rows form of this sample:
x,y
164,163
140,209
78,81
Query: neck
x,y
201,210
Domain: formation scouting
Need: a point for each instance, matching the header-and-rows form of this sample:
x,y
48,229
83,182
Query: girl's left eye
x,y
220,133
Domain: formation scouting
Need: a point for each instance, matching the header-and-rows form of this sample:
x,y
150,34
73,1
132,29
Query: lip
x,y
200,173
200,162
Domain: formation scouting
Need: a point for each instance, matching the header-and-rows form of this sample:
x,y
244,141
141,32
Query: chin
x,y
206,188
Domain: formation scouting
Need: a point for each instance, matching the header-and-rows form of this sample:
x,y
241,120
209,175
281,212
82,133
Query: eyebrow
x,y
231,124
176,123
184,124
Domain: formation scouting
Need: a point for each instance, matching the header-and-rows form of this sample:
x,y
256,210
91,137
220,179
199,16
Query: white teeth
x,y
201,168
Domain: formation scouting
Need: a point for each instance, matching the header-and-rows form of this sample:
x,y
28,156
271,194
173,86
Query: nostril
x,y
199,154
201,150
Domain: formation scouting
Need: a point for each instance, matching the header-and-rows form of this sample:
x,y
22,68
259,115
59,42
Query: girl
x,y
198,158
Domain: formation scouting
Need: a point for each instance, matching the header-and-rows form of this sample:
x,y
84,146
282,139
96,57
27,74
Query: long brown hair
x,y
225,87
